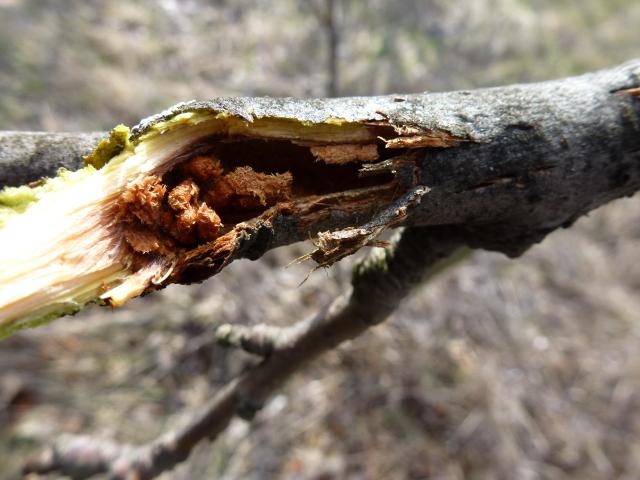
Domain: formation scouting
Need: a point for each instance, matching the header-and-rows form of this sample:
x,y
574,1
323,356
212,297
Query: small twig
x,y
379,284
258,339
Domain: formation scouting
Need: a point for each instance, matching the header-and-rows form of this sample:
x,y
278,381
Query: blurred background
x,y
498,369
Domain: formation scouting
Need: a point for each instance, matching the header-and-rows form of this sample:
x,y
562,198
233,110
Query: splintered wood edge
x,y
158,150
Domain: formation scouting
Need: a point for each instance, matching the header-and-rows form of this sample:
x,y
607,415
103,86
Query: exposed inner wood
x,y
345,153
197,204
176,208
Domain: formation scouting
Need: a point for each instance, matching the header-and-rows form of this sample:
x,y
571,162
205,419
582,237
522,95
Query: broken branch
x,y
204,183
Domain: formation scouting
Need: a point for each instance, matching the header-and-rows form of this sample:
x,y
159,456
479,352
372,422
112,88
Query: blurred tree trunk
x,y
333,37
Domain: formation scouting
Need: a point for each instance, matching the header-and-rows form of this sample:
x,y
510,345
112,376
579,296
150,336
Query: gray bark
x,y
28,156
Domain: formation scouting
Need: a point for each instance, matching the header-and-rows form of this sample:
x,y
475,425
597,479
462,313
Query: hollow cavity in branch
x,y
175,206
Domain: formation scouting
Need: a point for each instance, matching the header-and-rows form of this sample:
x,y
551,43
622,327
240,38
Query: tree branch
x,y
506,165
259,339
29,156
379,284
495,168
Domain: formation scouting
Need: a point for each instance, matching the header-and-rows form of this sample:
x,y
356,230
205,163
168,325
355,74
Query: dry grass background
x,y
498,369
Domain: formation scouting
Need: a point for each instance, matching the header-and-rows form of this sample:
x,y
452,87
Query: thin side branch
x,y
379,284
259,339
